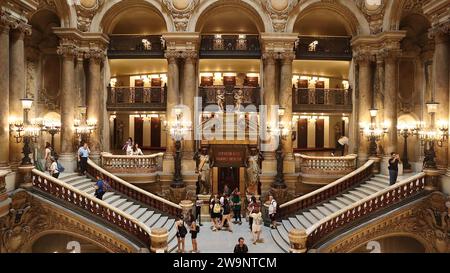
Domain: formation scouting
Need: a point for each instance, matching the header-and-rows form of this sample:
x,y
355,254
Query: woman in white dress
x,y
137,150
257,224
47,156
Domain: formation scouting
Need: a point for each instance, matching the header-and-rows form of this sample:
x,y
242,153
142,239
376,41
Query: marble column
x,y
189,75
441,87
4,94
172,97
269,100
365,103
390,102
94,100
17,85
80,80
67,157
285,100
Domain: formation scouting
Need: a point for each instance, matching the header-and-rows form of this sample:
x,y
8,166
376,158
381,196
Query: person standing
x,y
241,247
216,214
101,187
198,210
83,155
127,145
194,229
54,168
236,202
227,213
393,168
250,208
181,233
136,150
257,224
47,156
272,212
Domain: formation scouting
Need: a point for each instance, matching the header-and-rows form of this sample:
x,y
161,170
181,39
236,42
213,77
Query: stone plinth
x,y
297,241
25,178
186,206
159,240
204,212
432,179
69,161
377,164
190,180
5,201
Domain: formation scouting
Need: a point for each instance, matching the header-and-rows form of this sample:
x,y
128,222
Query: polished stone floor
x,y
224,241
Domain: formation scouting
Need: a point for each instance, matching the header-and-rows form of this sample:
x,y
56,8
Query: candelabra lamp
x,y
24,131
178,131
52,128
405,131
84,127
373,132
280,131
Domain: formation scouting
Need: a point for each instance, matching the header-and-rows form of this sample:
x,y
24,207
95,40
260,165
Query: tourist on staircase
x,y
101,187
54,168
272,212
181,233
194,230
241,247
257,224
393,168
83,156
236,204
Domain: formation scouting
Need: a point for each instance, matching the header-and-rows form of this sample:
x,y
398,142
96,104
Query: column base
x,y
445,183
96,157
432,179
25,177
69,162
204,213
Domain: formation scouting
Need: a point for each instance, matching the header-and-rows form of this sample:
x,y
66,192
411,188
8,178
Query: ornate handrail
x,y
324,48
375,202
134,192
136,164
331,164
118,95
326,192
322,96
91,204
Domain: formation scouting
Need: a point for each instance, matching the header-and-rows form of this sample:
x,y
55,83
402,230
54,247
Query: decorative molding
x,y
180,11
374,15
86,10
278,11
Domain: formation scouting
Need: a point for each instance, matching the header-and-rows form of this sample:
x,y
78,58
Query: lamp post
x,y
405,131
178,130
281,131
373,132
53,128
25,132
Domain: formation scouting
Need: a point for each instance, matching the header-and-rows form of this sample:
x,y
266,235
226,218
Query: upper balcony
x,y
225,46
136,46
324,48
127,98
322,100
229,95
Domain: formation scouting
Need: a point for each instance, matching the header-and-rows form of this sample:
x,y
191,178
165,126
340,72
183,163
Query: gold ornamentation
x,y
180,11
279,12
86,10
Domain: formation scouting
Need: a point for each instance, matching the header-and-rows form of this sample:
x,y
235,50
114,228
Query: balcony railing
x,y
136,46
230,45
322,100
325,164
230,95
142,98
324,48
132,164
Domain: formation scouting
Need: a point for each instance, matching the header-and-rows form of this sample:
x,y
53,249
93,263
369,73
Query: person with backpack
x,y
181,233
250,208
194,230
257,224
101,187
272,212
226,213
54,168
216,214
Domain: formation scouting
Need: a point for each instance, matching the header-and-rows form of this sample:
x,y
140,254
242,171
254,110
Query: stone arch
x,y
426,245
395,12
103,20
253,9
29,246
66,12
356,23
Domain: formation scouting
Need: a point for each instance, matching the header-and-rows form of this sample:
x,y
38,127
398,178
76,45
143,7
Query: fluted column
x,y
441,87
95,103
190,60
67,102
390,102
285,101
365,102
4,94
269,100
17,83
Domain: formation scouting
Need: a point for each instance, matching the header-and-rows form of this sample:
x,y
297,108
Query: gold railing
x,y
325,164
375,202
91,204
135,164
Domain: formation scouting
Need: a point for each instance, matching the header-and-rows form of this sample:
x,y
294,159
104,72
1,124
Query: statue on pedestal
x,y
220,99
203,169
253,171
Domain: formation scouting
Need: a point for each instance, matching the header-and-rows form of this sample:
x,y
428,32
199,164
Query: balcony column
x,y
67,157
96,106
190,60
4,93
172,97
285,100
17,84
390,101
365,102
441,88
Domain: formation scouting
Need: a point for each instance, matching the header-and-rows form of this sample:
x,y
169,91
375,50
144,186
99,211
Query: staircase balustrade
x,y
325,165
129,190
132,164
91,204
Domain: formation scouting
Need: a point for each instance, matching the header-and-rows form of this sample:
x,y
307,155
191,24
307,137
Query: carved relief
x,y
180,11
374,13
278,11
86,10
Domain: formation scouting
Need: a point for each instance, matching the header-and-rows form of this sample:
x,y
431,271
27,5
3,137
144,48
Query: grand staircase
x,y
326,210
144,214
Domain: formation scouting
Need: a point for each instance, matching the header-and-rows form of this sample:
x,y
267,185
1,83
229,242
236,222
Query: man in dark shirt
x,y
241,247
393,168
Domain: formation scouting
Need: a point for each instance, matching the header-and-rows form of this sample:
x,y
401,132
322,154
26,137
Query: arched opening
x,y
330,24
392,244
65,243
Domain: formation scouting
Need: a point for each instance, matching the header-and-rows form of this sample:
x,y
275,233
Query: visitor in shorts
x,y
181,233
194,230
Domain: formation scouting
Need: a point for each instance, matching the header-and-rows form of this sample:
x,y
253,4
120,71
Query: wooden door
x,y
320,134
155,132
302,134
139,131
138,91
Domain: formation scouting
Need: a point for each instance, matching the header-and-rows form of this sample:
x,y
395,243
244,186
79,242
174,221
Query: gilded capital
x,y
172,56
